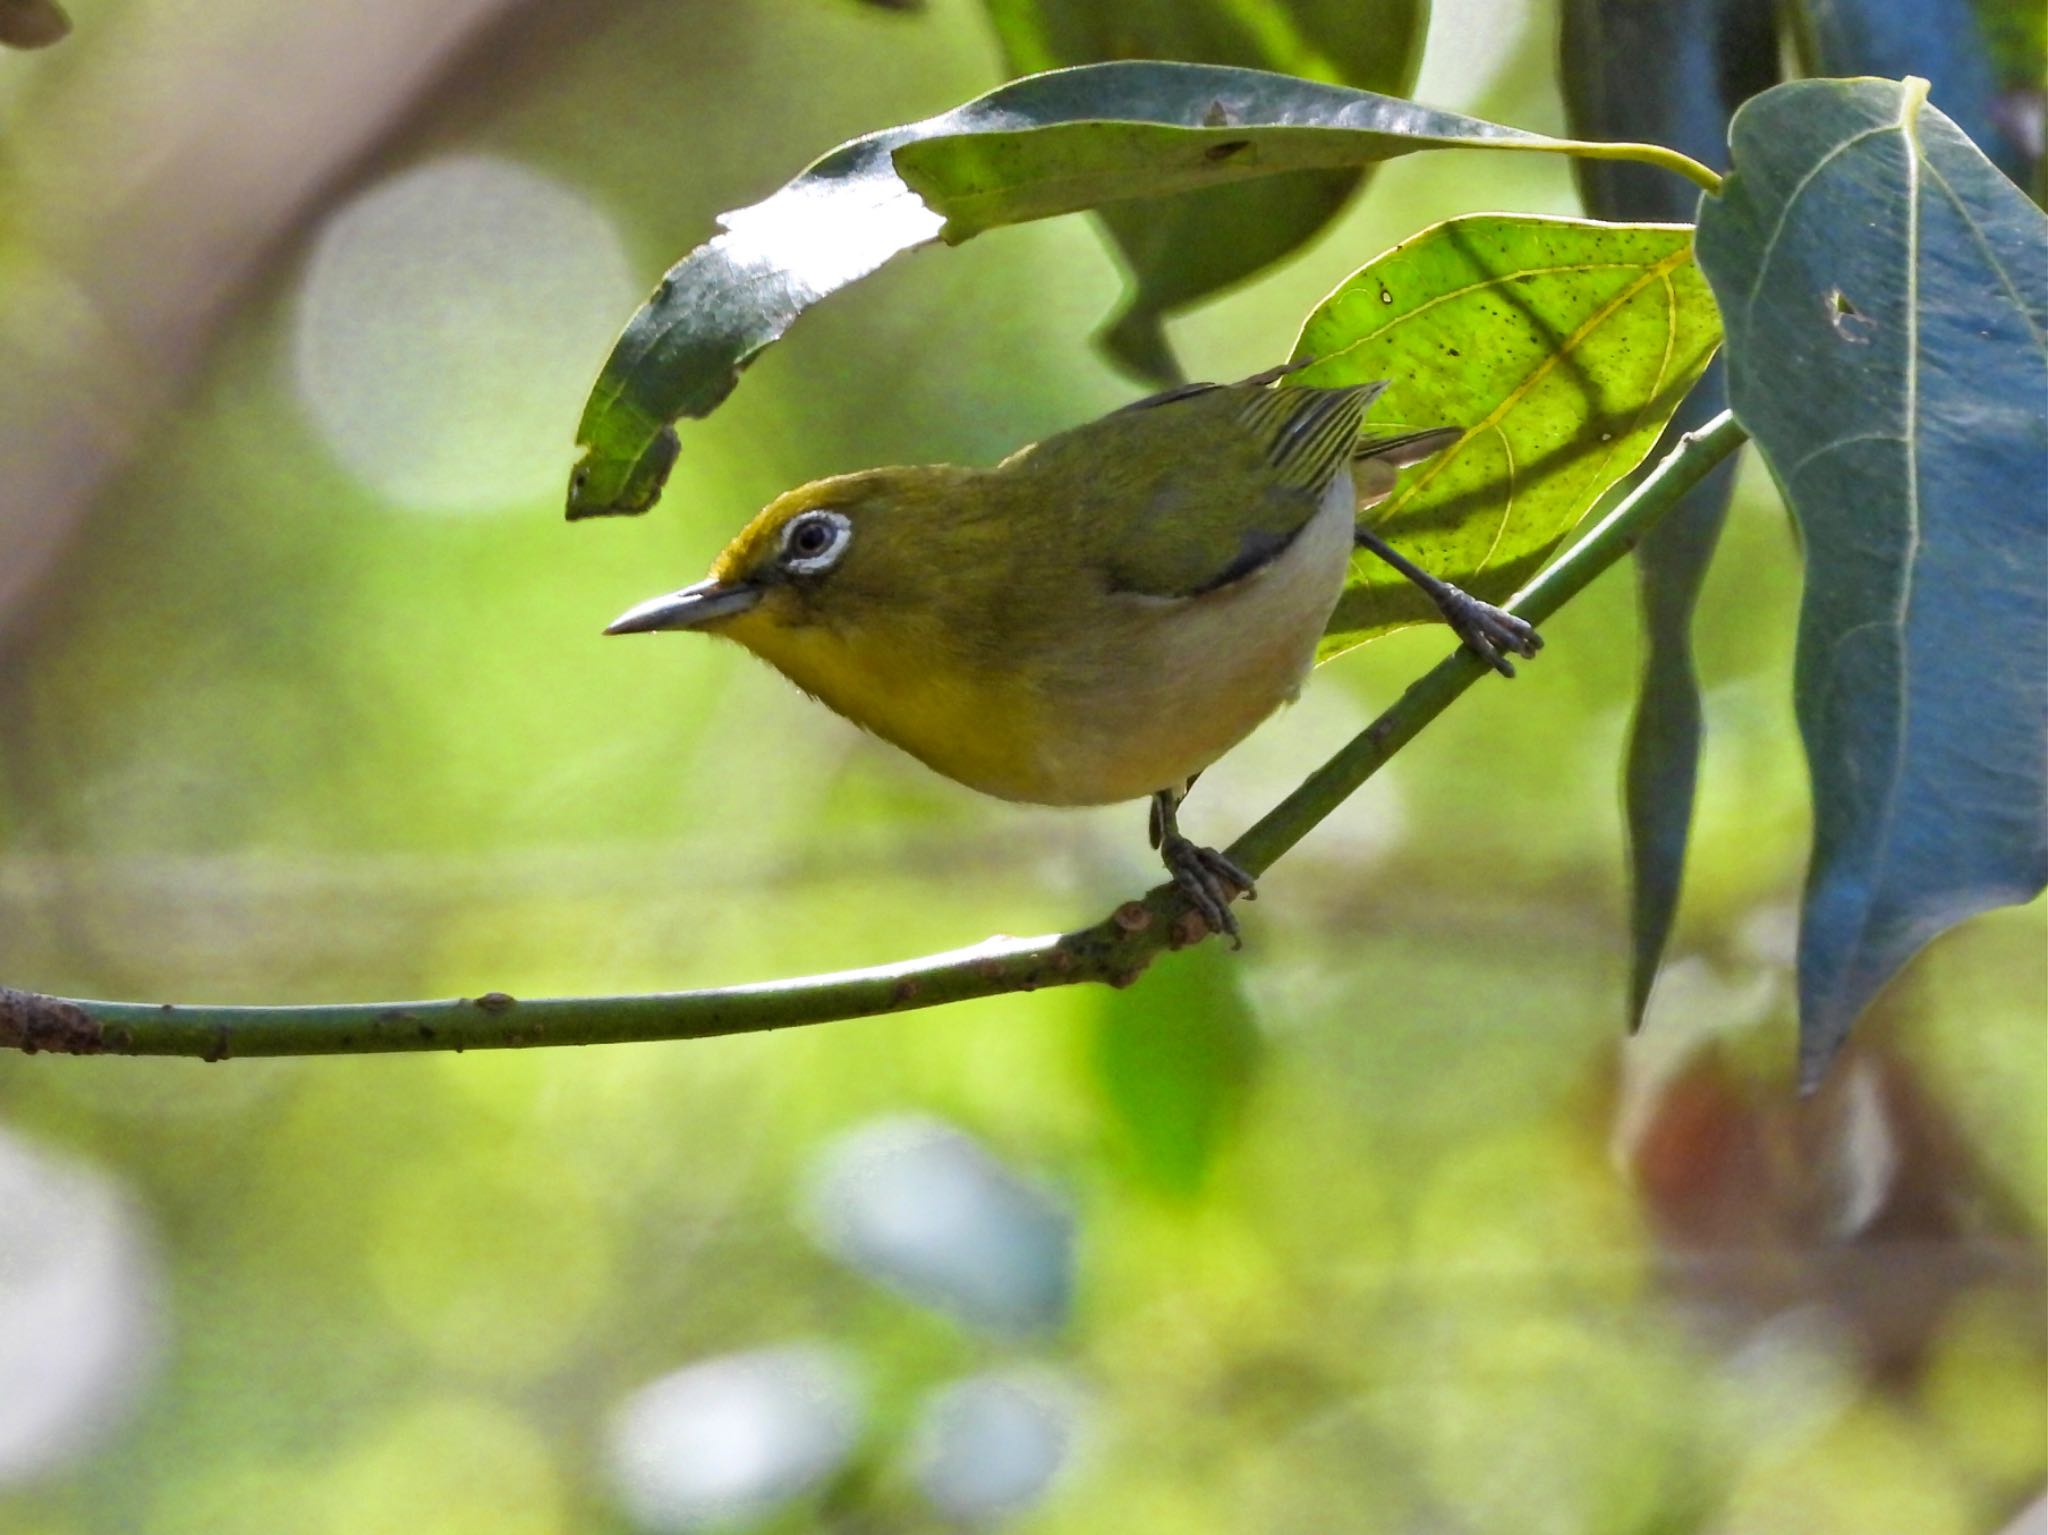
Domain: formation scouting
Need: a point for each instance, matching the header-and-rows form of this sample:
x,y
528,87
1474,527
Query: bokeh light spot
x,y
925,1209
494,1264
450,321
456,1466
730,1439
991,1446
78,1332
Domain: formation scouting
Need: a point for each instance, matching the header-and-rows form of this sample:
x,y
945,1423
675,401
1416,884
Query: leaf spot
x,y
1226,150
1850,323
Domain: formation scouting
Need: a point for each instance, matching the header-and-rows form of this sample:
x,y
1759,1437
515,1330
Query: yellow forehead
x,y
760,541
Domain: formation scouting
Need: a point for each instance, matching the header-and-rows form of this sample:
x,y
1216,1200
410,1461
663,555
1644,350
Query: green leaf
x,y
1670,73
1048,144
1561,346
1938,40
1183,249
1886,295
32,23
1175,1062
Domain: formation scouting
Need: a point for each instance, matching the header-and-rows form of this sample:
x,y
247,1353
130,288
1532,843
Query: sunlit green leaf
x,y
1050,144
1886,293
1561,346
1671,74
1182,249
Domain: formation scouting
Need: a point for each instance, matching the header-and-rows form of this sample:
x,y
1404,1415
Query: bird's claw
x,y
1210,881
1489,632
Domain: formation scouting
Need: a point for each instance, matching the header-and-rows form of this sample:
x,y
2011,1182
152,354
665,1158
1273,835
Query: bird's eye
x,y
813,542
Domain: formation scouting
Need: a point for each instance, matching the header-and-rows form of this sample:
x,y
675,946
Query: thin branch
x,y
1115,950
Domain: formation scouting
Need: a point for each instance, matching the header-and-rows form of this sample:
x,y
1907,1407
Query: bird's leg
x,y
1209,880
1487,631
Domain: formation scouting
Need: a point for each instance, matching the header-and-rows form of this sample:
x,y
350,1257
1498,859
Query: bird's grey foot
x,y
1489,632
1209,880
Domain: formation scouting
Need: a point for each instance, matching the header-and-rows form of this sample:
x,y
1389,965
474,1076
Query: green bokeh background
x,y
1381,1225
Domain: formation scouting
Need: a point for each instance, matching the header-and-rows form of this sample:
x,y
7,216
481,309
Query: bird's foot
x,y
1489,632
1210,881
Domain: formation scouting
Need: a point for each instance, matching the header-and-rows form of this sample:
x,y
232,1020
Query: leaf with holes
x,y
1560,345
1896,382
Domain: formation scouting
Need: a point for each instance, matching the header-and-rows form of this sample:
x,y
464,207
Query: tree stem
x,y
1115,950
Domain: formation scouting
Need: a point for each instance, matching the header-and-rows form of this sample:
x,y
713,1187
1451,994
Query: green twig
x,y
1115,950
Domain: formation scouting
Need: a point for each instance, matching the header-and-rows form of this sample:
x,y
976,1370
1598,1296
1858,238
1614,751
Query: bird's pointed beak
x,y
691,608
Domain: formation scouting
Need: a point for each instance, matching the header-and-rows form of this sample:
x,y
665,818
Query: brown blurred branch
x,y
148,186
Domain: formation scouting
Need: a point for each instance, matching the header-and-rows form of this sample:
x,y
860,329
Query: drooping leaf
x,y
1670,73
1886,296
1183,249
32,23
1660,769
1561,345
1937,40
1045,145
1175,1062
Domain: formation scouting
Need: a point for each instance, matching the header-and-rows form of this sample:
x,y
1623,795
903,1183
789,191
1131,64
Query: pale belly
x,y
1195,676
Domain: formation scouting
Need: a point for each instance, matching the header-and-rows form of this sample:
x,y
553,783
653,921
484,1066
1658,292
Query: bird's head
x,y
839,553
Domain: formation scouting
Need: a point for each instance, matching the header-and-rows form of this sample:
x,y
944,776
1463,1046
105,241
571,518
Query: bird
x,y
1098,617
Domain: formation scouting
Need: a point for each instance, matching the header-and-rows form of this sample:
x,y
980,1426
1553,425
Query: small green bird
x,y
1098,617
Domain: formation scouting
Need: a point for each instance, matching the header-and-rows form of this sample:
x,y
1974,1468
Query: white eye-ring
x,y
814,541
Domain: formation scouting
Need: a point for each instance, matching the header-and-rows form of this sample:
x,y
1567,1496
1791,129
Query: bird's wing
x,y
1195,493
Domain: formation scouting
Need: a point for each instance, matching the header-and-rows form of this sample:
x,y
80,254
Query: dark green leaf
x,y
1672,74
1660,775
32,23
1886,297
1183,249
1938,40
1165,128
1175,1061
1103,133
1562,346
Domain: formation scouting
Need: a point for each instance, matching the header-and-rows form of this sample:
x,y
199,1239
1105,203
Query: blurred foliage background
x,y
1379,1226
